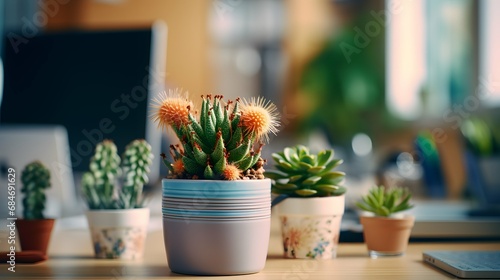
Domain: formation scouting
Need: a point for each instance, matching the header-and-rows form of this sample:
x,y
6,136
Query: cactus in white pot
x,y
113,189
218,156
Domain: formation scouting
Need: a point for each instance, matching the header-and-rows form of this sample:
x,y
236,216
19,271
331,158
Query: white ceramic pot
x,y
311,226
118,234
216,247
213,227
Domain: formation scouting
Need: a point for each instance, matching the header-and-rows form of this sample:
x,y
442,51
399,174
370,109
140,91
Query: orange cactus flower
x,y
231,173
178,166
259,117
171,109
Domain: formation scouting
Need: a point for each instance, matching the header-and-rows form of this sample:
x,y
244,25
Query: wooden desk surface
x,y
71,256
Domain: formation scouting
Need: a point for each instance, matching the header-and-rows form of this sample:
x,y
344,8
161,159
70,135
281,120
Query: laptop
x,y
466,264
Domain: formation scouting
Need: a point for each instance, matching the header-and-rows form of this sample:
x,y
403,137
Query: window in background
x,y
406,64
450,54
489,51
247,54
431,57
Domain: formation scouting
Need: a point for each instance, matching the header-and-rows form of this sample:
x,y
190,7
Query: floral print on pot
x,y
119,243
119,233
310,227
314,237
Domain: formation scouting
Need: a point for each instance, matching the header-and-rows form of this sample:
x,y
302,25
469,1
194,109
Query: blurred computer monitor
x,y
97,84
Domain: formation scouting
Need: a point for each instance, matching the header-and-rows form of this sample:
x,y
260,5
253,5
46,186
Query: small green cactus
x,y
100,186
104,171
136,162
223,143
385,201
302,174
35,178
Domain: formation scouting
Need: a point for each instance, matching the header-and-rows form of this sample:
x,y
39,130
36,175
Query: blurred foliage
x,y
346,83
481,138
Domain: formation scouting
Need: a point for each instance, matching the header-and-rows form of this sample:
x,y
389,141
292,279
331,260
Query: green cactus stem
x,y
104,169
216,143
35,178
136,162
100,186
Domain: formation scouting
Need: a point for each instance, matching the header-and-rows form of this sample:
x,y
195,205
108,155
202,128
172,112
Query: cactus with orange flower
x,y
224,142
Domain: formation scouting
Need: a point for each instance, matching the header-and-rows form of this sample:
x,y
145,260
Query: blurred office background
x,y
407,92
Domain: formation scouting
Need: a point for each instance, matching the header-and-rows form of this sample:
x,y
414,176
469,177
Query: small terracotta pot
x,y
34,235
386,236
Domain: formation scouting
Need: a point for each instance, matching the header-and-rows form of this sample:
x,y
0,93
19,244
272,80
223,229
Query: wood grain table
x,y
71,257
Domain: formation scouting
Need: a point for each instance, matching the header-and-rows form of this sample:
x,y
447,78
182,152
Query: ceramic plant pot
x,y
216,227
34,235
386,236
118,234
311,226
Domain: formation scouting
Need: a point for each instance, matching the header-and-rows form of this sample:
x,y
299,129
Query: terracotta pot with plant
x,y
34,230
385,230
117,216
313,203
216,199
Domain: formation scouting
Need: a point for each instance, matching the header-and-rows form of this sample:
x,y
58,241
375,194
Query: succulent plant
x,y
225,142
35,178
385,201
303,174
100,186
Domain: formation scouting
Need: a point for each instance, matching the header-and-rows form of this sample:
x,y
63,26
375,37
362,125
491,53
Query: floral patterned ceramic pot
x,y
118,234
311,226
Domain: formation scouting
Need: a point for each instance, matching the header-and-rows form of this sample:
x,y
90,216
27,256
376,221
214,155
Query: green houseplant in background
x,y
312,211
113,187
385,230
34,230
215,196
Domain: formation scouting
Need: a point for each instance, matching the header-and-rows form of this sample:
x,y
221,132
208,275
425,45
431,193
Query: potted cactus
x,y
312,211
34,230
215,195
386,231
117,215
